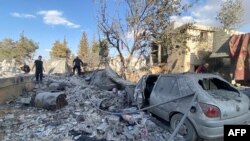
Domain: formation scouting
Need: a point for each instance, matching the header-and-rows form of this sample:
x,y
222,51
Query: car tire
x,y
187,130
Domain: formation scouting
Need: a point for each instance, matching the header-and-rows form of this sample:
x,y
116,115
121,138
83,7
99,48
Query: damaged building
x,y
199,47
230,56
220,48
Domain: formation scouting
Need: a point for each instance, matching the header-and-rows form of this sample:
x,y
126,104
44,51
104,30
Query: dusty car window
x,y
139,83
185,88
167,86
215,84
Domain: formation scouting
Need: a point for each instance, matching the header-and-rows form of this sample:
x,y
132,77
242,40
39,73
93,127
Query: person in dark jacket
x,y
25,68
39,69
77,62
202,69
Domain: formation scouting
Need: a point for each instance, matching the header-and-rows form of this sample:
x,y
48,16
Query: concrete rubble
x,y
84,118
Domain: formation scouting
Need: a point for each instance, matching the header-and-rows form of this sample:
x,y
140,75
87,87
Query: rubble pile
x,y
91,114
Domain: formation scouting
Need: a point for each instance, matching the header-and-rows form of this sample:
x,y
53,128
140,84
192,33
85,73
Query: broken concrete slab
x,y
53,86
108,79
100,79
102,128
25,101
112,119
116,78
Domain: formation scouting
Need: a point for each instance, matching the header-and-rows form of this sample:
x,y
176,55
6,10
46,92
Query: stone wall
x,y
135,63
14,86
200,46
57,66
8,68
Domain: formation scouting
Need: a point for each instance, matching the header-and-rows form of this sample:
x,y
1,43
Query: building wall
x,y
58,65
135,63
176,62
221,41
219,60
200,45
14,86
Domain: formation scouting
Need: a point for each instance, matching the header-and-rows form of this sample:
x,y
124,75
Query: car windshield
x,y
218,88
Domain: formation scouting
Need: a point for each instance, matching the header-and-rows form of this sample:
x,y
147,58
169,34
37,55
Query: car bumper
x,y
208,129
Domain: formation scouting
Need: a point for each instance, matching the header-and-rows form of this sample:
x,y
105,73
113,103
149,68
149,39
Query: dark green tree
x,y
60,50
95,46
25,47
83,47
20,50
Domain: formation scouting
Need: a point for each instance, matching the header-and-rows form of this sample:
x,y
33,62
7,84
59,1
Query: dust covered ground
x,y
82,119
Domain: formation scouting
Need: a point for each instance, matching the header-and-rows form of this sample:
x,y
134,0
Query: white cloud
x,y
206,13
22,15
55,17
48,50
182,19
130,35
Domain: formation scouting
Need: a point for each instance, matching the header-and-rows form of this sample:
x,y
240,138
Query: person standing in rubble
x,y
77,62
202,69
39,69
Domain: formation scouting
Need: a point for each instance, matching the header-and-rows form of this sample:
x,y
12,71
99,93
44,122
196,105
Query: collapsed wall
x,y
58,65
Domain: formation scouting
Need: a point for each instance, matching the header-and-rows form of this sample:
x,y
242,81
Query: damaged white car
x,y
217,103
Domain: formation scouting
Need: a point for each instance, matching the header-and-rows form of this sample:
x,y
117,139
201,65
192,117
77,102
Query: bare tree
x,y
145,22
230,14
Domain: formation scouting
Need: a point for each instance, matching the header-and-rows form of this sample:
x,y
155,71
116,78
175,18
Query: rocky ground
x,y
84,118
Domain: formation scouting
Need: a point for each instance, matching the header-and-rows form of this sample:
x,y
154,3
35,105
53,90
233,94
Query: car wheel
x,y
187,130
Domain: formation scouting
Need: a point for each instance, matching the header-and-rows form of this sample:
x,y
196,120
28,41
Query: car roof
x,y
196,76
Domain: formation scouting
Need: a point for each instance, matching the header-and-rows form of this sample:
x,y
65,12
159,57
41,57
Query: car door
x,y
139,89
165,89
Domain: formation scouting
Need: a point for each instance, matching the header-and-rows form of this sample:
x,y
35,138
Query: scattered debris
x,y
25,101
81,119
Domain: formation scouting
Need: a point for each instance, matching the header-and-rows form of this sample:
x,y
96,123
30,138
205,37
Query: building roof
x,y
219,55
195,26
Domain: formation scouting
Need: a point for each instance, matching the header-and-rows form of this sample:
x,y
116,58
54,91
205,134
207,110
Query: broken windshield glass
x,y
218,88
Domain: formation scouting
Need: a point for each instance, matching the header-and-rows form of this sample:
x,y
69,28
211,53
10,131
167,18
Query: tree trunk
x,y
123,67
159,54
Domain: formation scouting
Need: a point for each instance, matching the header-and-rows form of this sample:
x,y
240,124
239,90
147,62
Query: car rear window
x,y
215,84
219,89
